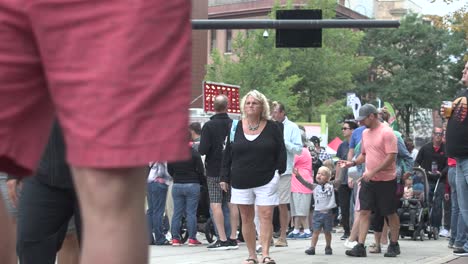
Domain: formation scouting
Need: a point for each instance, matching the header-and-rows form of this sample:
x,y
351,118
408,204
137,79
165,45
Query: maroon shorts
x,y
117,74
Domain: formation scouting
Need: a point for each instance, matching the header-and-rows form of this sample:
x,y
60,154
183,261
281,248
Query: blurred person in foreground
x,y
457,147
105,84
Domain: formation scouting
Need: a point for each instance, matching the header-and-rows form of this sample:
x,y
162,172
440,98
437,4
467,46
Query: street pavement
x,y
427,252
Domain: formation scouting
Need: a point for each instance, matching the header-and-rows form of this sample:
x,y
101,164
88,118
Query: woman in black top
x,y
250,160
188,176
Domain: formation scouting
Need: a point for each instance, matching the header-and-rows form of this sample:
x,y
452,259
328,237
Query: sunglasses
x,y
438,134
345,128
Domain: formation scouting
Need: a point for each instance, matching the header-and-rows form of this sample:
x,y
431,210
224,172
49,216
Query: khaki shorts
x,y
284,189
300,204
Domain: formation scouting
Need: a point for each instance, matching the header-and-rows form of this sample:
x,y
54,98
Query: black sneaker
x,y
393,250
232,243
345,236
310,251
328,251
219,245
460,252
357,251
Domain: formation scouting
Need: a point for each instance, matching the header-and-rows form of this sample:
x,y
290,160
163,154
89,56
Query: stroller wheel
x,y
209,230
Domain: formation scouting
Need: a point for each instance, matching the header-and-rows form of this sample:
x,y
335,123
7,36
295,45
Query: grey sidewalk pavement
x,y
427,252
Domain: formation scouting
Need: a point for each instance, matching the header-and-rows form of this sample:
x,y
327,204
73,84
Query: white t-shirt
x,y
324,197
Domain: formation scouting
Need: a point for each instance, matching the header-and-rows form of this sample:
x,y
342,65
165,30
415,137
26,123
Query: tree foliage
x,y
412,66
301,78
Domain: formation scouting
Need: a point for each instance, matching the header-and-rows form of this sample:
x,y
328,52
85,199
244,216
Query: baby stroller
x,y
414,211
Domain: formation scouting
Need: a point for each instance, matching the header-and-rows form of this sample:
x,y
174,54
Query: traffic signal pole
x,y
204,24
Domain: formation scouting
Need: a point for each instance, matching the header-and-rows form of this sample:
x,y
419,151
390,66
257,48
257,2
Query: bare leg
x,y
7,239
394,223
265,213
70,252
355,229
112,203
384,237
364,221
328,238
234,215
248,228
284,220
301,221
315,235
377,238
218,218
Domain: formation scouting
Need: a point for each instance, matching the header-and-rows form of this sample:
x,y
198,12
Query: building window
x,y
213,40
228,41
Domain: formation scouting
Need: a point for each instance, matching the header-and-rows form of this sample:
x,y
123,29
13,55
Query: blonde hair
x,y
263,102
325,171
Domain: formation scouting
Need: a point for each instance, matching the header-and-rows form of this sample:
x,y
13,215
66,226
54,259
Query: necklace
x,y
255,127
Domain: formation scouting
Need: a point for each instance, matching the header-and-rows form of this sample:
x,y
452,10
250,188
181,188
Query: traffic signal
x,y
299,38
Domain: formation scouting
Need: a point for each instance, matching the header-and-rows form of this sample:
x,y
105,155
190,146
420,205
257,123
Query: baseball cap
x,y
365,111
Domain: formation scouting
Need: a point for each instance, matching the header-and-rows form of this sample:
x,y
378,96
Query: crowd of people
x,y
250,171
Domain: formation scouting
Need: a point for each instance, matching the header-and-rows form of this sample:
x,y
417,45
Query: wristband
x,y
354,163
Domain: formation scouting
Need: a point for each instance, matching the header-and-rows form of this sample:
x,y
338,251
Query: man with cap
x,y
378,183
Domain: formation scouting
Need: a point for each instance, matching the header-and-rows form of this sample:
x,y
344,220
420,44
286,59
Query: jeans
x,y
462,191
436,218
185,196
227,219
458,230
156,197
43,217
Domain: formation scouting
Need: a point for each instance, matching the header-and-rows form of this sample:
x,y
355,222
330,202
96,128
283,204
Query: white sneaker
x,y
258,249
349,244
444,233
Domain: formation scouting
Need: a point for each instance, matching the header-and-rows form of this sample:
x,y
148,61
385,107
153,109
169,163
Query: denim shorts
x,y
13,211
323,220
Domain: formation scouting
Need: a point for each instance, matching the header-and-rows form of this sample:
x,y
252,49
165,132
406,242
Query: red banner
x,y
211,90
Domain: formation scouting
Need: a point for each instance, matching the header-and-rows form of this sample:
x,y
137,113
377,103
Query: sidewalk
x,y
427,252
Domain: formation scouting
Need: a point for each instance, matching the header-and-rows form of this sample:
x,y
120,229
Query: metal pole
x,y
201,24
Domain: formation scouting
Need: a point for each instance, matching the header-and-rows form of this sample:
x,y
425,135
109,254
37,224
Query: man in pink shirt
x,y
378,183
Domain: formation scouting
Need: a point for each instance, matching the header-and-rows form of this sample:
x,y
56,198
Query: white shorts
x,y
263,195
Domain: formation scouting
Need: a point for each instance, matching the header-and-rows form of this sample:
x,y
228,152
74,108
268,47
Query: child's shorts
x,y
117,74
323,220
12,210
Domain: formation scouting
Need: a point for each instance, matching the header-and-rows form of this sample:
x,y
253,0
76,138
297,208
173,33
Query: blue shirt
x,y
293,143
356,137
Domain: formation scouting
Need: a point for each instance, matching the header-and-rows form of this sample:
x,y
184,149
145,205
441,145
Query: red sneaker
x,y
176,242
193,242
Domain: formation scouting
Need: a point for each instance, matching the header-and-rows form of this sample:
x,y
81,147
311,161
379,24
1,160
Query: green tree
x,y
303,79
411,67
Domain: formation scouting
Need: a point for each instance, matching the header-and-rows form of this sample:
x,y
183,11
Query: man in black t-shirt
x,y
225,214
457,147
344,192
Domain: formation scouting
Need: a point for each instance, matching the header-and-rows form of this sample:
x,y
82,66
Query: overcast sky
x,y
439,7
